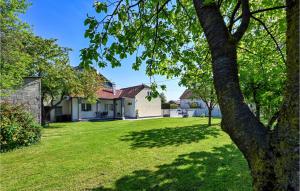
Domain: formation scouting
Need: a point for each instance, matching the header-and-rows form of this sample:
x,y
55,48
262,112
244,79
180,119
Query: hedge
x,y
18,127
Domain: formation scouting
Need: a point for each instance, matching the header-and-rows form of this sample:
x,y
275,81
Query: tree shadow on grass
x,y
222,169
170,136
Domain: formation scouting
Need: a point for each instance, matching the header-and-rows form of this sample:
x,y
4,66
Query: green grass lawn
x,y
155,154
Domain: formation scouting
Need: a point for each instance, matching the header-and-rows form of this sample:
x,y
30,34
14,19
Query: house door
x,y
109,108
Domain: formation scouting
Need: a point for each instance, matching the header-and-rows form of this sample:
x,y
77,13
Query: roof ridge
x,y
144,85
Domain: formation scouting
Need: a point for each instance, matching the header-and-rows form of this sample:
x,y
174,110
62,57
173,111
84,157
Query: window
x,y
148,93
111,107
108,106
86,107
58,111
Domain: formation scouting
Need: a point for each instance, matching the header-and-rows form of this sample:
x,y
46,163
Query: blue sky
x,y
63,20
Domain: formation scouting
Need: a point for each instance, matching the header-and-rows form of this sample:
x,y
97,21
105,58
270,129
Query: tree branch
x,y
57,103
247,50
273,38
273,119
262,10
185,10
231,22
156,30
245,21
155,39
133,5
150,18
268,9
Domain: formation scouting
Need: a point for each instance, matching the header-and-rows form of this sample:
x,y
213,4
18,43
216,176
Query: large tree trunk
x,y
247,132
257,110
286,133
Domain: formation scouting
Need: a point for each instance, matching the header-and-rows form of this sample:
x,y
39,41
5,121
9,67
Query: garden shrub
x,y
173,106
18,127
194,105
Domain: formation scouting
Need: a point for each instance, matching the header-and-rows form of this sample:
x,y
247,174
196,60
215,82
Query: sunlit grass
x,y
153,154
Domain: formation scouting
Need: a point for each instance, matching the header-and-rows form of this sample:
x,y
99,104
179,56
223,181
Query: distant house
x,y
28,95
112,103
195,106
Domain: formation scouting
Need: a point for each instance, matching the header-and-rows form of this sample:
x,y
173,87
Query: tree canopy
x,y
25,54
14,34
166,36
175,38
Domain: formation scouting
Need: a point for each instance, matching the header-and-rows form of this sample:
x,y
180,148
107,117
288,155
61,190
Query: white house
x,y
187,99
112,103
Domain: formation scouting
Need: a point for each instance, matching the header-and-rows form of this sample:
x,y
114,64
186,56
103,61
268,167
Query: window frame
x,y
111,107
86,107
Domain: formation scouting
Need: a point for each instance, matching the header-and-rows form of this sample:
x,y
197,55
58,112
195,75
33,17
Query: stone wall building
x,y
29,95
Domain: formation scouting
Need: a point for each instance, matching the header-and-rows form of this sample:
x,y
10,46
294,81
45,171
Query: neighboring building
x,y
194,106
187,99
112,103
29,95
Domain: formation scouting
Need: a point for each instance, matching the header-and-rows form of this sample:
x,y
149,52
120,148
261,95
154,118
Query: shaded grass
x,y
154,154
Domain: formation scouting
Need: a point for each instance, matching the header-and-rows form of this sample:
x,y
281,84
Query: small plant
x,y
18,127
173,106
194,105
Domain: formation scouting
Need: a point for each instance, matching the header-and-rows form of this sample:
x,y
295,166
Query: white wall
x,y
66,109
75,116
192,112
118,108
147,108
130,110
101,107
87,114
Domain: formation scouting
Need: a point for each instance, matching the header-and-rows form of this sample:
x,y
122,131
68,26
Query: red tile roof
x,y
108,94
129,92
187,94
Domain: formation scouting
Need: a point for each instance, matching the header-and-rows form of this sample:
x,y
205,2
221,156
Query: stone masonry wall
x,y
29,95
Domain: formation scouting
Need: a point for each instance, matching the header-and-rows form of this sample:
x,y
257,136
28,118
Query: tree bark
x,y
210,106
52,106
209,116
257,110
247,132
286,133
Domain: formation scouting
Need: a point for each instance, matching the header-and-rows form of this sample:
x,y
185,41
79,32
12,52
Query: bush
x,y
194,105
18,127
173,106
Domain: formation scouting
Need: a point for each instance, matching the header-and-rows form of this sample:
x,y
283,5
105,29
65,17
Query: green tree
x,y
170,35
13,56
58,78
206,92
199,79
262,81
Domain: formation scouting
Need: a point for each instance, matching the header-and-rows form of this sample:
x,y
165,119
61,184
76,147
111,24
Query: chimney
x,y
113,85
